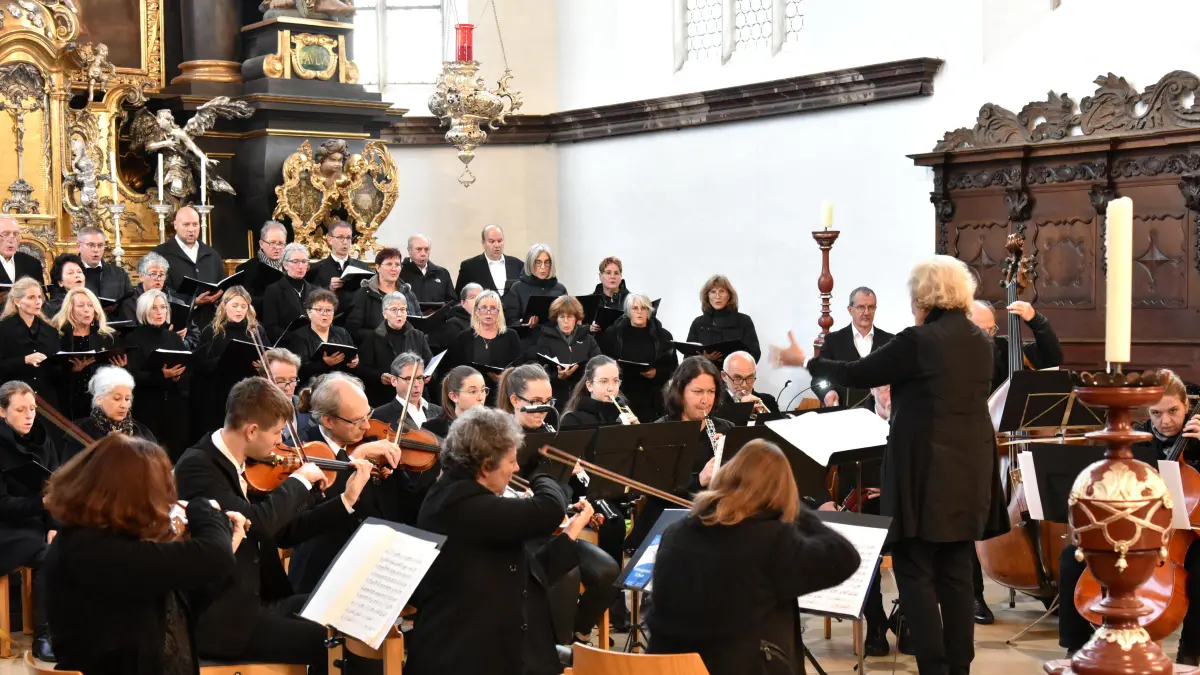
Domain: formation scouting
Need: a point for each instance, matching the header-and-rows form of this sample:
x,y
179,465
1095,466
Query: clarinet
x,y
718,444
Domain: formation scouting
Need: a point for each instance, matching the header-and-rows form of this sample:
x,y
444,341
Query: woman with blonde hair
x,y
83,328
27,339
941,477
721,320
235,320
750,533
488,342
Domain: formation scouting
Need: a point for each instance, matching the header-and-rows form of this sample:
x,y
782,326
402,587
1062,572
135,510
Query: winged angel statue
x,y
158,132
336,185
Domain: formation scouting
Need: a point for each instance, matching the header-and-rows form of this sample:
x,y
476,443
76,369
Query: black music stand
x,y
736,413
531,461
1040,400
1057,465
809,475
658,455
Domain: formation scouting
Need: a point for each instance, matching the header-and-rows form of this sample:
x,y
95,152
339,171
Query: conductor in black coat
x,y
851,342
106,281
190,257
430,282
750,531
941,476
15,264
482,607
252,617
492,270
721,321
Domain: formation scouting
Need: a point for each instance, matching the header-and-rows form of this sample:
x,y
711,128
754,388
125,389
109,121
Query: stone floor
x,y
992,655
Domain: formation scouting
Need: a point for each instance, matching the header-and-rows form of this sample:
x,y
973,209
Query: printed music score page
x,y
822,435
867,534
372,579
1170,474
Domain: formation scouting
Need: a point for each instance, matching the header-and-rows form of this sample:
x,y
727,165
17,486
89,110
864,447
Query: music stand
x,y
736,413
636,576
809,475
659,455
1039,400
574,441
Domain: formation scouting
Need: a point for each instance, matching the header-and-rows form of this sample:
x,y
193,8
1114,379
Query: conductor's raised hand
x,y
791,355
831,399
357,481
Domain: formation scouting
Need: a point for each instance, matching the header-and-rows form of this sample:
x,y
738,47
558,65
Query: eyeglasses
x,y
993,331
487,310
355,423
9,235
274,244
291,382
862,309
323,311
534,401
541,263
474,391
93,244
156,275
396,310
738,379
605,382
300,261
343,237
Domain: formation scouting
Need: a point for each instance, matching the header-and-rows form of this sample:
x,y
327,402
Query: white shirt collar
x,y
329,441
417,412
224,449
91,267
494,262
340,261
860,336
184,246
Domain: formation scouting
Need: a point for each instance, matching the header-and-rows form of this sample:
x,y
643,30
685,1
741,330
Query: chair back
x,y
35,667
592,661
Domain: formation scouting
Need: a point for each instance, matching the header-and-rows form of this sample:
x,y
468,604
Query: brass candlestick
x,y
825,239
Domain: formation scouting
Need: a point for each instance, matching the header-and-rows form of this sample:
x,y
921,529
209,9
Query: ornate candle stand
x,y
1120,514
825,239
204,211
163,209
116,210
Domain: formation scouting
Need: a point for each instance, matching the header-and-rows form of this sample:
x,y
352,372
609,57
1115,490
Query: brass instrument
x,y
760,408
626,412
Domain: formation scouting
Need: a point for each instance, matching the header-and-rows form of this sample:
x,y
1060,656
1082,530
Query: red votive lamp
x,y
464,41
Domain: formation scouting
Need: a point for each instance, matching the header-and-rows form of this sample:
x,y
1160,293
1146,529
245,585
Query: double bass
x,y
1025,558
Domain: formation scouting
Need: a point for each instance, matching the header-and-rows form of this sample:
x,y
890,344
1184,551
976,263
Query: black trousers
x,y
934,580
283,637
575,612
976,574
40,594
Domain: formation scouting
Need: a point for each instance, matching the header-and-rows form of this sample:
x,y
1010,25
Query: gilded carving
x,y
159,132
273,66
23,90
314,56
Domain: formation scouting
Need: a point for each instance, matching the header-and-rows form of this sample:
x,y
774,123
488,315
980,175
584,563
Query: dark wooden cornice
x,y
821,91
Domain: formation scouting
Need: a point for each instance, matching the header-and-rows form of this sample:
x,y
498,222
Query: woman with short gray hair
x,y
395,336
284,301
152,276
539,278
111,389
163,382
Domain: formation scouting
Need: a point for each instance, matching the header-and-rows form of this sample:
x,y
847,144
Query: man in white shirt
x,y
190,257
13,263
430,282
406,368
328,272
491,269
853,341
109,282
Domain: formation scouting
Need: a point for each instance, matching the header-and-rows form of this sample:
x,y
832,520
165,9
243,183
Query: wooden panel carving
x,y
1066,251
1160,260
981,246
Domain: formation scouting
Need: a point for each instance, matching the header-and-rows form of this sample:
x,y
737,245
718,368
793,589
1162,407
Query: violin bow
x,y
404,411
59,420
290,423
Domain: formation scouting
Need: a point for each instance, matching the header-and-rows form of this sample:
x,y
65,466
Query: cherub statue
x,y
159,133
93,61
338,10
330,159
80,195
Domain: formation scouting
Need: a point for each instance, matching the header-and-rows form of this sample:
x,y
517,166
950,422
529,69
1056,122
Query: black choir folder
x,y
192,287
372,579
723,348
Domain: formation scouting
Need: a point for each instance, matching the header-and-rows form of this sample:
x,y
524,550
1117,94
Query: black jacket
x,y
941,474
839,346
281,519
55,295
108,281
208,267
482,606
323,272
128,309
442,337
518,295
468,348
390,413
92,430
212,383
617,301
23,520
157,402
259,276
366,308
591,413
725,398
88,569
766,565
73,387
439,426
716,326
377,351
1043,352
25,265
283,303
625,342
578,347
475,271
435,285
305,343
18,341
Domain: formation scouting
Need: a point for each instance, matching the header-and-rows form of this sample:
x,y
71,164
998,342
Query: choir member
x,y
235,320
1168,422
15,264
25,526
639,337
284,301
408,378
268,264
66,273
111,389
340,413
152,276
720,319
366,309
114,503
328,272
852,341
487,342
441,337
463,388
83,328
106,281
529,386
27,338
430,282
392,337
305,342
492,270
483,604
591,403
567,340
739,375
282,368
611,288
750,531
940,501
190,257
163,392
252,618
538,278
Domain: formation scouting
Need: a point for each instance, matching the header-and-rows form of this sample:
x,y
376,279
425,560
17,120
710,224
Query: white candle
x,y
827,215
161,196
1118,312
112,171
203,179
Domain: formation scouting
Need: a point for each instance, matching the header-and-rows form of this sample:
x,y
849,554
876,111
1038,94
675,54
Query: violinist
x,y
116,542
1168,422
84,328
283,370
112,410
252,619
25,526
407,369
27,338
739,374
462,389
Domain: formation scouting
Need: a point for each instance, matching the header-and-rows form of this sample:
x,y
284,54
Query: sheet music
x,y
434,362
1170,474
996,405
848,597
821,435
1033,495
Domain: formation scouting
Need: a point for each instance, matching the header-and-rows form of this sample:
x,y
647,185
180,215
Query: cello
x,y
1025,558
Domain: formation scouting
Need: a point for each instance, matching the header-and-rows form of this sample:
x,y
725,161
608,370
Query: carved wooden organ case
x,y
1048,172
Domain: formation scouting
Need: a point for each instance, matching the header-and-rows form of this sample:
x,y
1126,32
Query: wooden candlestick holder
x,y
825,239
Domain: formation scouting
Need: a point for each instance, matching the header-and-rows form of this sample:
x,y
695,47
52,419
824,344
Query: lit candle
x,y
112,171
464,42
827,215
161,196
1118,312
203,179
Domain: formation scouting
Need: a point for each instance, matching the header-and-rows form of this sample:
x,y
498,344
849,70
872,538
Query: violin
x,y
420,448
264,475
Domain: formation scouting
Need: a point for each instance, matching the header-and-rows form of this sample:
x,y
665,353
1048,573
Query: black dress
x,y
73,387
516,298
469,348
97,426
23,520
442,337
720,325
212,383
159,403
578,347
282,303
305,342
18,341
650,344
377,351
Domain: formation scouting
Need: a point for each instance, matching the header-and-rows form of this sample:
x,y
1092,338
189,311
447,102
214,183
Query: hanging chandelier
x,y
463,101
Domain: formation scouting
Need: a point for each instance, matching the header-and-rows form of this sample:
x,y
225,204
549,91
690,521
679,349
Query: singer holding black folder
x,y
27,339
539,278
566,340
215,374
391,338
84,328
285,300
488,345
639,337
720,320
306,341
163,379
941,476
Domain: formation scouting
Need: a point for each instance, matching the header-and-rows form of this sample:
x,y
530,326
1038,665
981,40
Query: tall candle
x,y
827,215
203,179
112,172
1119,310
161,196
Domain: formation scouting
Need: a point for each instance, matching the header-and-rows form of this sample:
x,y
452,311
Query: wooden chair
x,y
808,404
35,667
592,661
6,628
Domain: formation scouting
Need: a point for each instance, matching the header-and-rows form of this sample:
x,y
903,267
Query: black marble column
x,y
211,39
